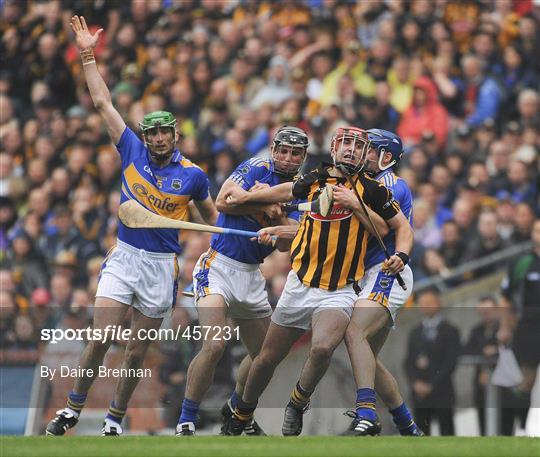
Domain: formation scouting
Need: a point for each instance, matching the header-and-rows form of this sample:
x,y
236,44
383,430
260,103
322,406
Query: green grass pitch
x,y
315,446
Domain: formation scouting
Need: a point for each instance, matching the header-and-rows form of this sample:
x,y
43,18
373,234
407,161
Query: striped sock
x,y
115,414
300,396
365,403
402,417
76,401
244,411
190,410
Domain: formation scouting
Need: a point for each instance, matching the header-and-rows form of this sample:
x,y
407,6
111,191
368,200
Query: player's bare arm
x,y
404,243
207,210
226,205
99,91
346,197
276,194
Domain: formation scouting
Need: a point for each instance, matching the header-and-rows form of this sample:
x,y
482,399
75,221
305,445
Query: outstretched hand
x,y
83,37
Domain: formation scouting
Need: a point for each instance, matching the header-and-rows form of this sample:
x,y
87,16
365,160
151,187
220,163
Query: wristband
x,y
404,257
87,56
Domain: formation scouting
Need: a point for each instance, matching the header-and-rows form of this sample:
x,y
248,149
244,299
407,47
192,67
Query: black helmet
x,y
292,137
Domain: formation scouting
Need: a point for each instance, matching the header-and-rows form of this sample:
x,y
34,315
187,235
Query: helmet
x,y
292,137
157,119
385,141
355,136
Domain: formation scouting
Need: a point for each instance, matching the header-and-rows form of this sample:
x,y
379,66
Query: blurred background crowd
x,y
458,80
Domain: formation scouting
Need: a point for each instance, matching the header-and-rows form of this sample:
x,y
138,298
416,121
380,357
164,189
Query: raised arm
x,y
99,91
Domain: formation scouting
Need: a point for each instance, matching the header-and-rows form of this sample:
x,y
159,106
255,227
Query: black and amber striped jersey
x,y
328,252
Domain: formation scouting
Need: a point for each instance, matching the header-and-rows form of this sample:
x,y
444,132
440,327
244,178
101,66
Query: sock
x,y
365,403
402,417
75,402
115,414
234,400
244,411
300,396
190,409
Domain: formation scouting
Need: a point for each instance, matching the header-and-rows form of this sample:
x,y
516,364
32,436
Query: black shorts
x,y
526,343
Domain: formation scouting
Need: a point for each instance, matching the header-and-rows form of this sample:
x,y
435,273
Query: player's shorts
x,y
241,285
299,303
385,290
526,342
148,281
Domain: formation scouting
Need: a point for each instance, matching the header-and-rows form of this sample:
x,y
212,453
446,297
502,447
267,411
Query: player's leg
x,y
134,356
367,319
328,329
387,388
212,312
277,344
252,333
107,314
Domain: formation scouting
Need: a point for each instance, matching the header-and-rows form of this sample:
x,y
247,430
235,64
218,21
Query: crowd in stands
x,y
458,80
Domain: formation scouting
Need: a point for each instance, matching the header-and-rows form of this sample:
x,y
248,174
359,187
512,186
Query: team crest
x,y
159,181
384,282
176,184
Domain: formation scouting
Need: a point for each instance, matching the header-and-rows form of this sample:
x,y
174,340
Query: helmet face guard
x,y
385,141
349,148
153,123
287,139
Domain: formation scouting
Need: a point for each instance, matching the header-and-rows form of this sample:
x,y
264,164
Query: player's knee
x,y
321,351
354,335
134,356
98,348
267,359
214,349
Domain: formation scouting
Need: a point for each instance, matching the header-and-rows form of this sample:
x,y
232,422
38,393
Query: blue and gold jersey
x,y
165,191
402,194
238,247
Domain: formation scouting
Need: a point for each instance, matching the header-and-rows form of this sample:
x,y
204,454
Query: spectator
x,y
483,342
452,246
523,218
520,322
8,313
28,266
528,107
519,187
432,352
425,113
63,234
482,95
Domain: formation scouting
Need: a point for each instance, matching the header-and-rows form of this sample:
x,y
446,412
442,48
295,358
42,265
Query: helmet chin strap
x,y
379,163
161,158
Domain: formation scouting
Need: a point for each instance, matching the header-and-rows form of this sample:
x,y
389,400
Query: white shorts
x,y
241,285
298,303
145,280
385,290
